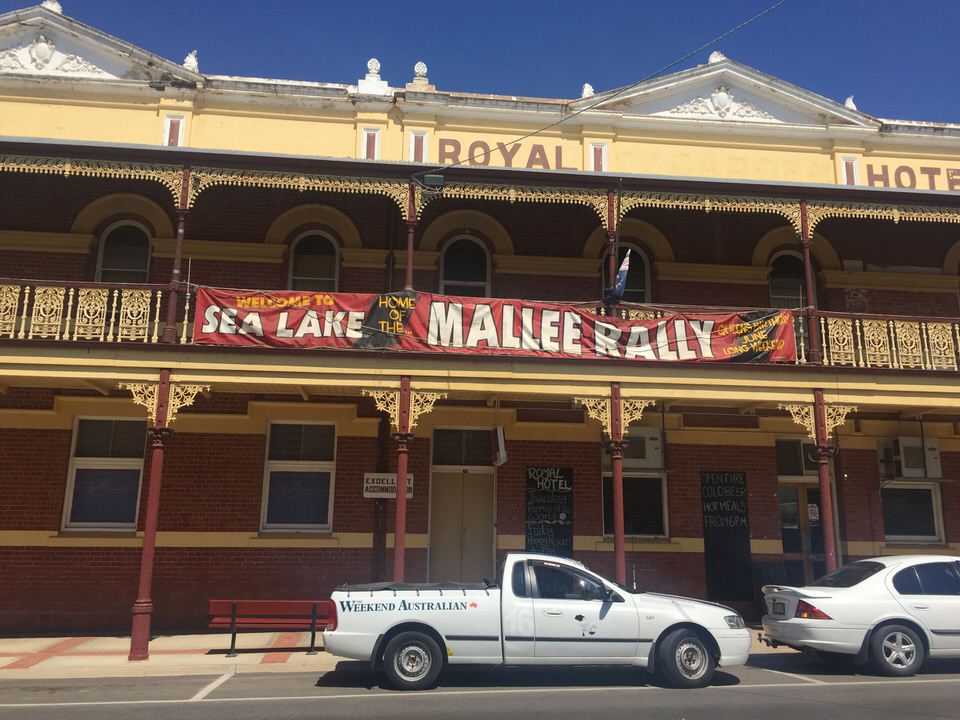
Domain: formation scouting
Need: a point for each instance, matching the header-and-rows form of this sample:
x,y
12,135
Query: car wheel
x,y
684,660
896,650
412,661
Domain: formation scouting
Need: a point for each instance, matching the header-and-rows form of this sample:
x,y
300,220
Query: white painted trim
x,y
936,501
336,258
363,143
414,134
269,466
92,463
856,170
166,129
603,156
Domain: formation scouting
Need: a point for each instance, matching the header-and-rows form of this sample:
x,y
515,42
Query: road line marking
x,y
212,686
396,695
795,675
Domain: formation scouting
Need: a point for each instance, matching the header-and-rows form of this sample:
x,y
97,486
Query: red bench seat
x,y
283,615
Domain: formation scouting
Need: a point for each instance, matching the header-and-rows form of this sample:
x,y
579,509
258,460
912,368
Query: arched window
x,y
465,268
124,254
787,286
638,278
313,263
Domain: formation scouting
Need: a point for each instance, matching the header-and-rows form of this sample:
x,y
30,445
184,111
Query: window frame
x,y
803,288
423,135
293,256
367,131
602,147
648,289
101,244
809,476
486,284
460,468
664,505
167,122
937,507
297,466
91,463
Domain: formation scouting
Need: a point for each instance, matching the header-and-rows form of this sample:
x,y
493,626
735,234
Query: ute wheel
x,y
684,660
896,650
412,661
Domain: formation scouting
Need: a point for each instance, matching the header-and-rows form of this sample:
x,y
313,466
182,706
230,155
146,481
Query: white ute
x,y
550,611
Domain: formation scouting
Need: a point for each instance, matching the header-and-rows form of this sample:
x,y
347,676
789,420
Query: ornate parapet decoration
x,y
803,415
598,408
595,199
818,211
181,395
202,178
790,209
388,401
170,176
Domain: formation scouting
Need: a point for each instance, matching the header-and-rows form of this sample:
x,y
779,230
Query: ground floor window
x,y
644,505
298,477
106,462
911,512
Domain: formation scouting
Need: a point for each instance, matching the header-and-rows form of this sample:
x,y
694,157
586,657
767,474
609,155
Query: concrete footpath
x,y
203,654
93,657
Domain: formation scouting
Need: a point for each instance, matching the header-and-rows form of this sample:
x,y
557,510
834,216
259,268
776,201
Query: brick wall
x,y
858,495
33,471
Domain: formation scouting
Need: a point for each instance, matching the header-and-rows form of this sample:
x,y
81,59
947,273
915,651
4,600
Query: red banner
x,y
484,326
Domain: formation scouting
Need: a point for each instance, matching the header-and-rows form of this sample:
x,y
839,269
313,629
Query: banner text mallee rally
x,y
424,322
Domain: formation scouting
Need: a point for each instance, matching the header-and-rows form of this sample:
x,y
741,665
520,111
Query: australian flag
x,y
616,292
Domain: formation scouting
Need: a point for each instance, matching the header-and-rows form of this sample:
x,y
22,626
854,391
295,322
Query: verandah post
x,y
403,437
173,294
615,448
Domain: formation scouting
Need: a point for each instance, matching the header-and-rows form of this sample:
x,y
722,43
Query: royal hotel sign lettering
x,y
511,155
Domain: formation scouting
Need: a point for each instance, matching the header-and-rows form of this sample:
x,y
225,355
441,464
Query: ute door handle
x,y
553,612
918,606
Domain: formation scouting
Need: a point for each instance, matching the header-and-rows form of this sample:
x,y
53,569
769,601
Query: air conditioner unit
x,y
912,458
644,450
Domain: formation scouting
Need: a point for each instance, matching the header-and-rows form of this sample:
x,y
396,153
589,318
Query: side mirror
x,y
611,595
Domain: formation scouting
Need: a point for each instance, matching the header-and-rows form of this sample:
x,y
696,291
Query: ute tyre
x,y
412,661
684,660
896,650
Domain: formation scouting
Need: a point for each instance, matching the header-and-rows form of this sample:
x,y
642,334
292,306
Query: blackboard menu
x,y
726,535
550,511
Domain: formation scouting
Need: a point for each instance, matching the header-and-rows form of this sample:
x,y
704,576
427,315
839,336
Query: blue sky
x,y
898,57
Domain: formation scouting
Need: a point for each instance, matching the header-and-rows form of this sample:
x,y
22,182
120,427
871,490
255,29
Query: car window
x,y
520,580
939,578
560,583
906,582
849,575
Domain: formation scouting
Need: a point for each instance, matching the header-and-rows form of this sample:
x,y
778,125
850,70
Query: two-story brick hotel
x,y
231,309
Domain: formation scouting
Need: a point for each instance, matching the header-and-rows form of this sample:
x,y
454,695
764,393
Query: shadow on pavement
x,y
358,675
840,666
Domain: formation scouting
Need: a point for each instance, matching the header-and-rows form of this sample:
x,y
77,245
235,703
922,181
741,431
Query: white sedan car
x,y
891,611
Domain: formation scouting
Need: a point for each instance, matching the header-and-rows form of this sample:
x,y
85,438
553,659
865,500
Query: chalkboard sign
x,y
726,535
550,510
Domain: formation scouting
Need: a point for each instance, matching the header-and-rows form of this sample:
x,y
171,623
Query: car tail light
x,y
332,620
808,612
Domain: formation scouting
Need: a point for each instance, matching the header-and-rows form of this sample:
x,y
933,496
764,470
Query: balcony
x,y
104,313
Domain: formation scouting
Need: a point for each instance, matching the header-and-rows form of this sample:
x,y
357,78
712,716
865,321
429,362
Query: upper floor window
x,y
787,281
313,263
465,268
638,277
124,255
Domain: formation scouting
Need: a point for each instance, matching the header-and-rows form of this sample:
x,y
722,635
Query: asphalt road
x,y
772,686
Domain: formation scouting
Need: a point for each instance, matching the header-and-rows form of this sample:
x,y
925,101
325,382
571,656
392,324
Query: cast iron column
x,y
823,470
615,448
143,606
403,441
611,238
813,331
173,295
411,229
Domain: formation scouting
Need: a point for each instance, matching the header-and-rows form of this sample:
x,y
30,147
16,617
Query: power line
x,y
606,97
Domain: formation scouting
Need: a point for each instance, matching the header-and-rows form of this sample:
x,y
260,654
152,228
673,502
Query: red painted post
x,y
813,331
823,470
411,229
403,440
615,447
173,294
143,606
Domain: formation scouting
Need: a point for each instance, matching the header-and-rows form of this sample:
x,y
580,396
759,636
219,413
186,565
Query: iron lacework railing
x,y
115,313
